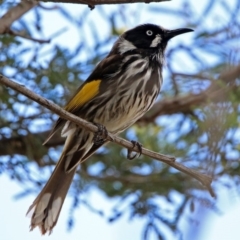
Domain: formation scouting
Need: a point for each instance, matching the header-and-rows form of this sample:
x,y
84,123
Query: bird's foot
x,y
101,134
135,144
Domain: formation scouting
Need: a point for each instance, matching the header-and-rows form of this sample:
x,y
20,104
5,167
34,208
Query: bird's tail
x,y
45,210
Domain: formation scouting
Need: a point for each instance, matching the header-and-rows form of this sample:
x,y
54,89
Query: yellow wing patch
x,y
86,93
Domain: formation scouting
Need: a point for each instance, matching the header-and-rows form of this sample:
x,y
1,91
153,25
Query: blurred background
x,y
52,49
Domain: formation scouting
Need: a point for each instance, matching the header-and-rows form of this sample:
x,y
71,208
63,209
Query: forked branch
x,y
14,14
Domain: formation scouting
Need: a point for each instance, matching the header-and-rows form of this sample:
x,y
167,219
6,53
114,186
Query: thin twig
x,y
204,179
92,3
18,34
15,13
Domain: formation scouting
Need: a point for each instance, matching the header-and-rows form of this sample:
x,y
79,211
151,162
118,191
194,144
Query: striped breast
x,y
133,92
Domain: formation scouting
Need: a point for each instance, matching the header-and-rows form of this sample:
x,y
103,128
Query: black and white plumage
x,y
123,86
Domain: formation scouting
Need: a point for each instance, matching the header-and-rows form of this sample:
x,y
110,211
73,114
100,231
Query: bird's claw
x,y
135,144
101,135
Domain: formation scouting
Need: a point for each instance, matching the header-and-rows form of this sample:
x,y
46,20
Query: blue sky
x,y
89,226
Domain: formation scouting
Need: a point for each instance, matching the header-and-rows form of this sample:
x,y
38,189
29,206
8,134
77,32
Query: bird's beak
x,y
173,33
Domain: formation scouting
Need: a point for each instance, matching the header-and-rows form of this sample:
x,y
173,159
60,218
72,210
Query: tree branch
x,y
19,34
20,144
178,104
93,3
15,13
204,179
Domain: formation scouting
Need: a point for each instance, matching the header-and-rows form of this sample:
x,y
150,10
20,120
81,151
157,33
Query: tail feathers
x,y
45,210
76,147
60,122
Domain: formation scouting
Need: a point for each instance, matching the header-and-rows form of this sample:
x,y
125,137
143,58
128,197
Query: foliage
x,y
205,137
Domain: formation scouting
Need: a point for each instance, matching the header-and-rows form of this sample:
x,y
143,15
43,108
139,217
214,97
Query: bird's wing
x,y
91,88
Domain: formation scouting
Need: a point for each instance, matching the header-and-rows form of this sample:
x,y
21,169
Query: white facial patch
x,y
125,45
156,41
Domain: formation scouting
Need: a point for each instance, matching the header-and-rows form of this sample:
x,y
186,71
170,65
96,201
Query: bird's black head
x,y
148,36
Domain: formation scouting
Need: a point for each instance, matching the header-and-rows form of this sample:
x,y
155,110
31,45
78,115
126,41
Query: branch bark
x,y
19,34
93,3
204,179
15,13
178,104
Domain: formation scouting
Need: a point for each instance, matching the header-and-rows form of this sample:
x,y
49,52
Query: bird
x,y
119,91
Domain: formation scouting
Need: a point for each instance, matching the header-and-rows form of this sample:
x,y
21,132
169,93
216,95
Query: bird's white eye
x,y
149,32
